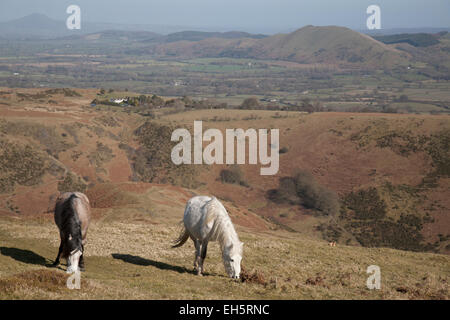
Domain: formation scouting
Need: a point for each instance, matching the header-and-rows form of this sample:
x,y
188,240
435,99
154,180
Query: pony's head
x,y
72,252
73,260
232,256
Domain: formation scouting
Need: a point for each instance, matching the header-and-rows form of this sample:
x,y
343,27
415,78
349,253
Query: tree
x,y
306,106
403,98
318,107
157,101
250,103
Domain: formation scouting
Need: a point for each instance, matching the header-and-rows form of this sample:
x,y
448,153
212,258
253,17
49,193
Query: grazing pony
x,y
206,219
72,216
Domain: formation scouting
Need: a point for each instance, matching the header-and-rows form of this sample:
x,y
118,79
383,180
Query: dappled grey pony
x,y
206,219
72,216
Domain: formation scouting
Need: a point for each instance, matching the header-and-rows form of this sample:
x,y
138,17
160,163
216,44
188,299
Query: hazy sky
x,y
251,15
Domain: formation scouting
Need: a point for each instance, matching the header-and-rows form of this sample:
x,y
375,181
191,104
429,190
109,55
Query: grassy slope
x,y
136,221
131,258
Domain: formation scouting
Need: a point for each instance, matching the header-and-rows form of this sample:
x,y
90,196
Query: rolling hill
x,y
310,44
416,40
33,25
40,26
152,37
200,35
115,35
328,45
396,163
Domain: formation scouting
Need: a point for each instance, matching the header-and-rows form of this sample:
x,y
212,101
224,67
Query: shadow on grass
x,y
146,262
22,255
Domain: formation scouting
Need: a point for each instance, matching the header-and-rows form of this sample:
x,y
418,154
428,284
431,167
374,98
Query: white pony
x,y
206,219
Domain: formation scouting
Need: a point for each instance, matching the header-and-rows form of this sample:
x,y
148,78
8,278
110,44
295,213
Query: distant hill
x,y
117,35
310,44
33,25
200,35
331,45
40,26
415,39
386,32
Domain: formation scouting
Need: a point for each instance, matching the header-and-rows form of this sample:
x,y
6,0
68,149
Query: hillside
x,y
329,44
53,141
348,153
310,44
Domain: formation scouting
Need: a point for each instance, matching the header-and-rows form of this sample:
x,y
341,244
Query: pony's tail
x,y
182,238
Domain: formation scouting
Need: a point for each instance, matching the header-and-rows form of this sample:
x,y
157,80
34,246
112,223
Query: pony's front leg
x,y
203,256
81,262
56,263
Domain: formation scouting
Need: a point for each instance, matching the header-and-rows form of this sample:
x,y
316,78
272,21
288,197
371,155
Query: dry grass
x,y
254,276
131,260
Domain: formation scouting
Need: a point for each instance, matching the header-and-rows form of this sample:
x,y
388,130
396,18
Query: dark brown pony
x,y
72,216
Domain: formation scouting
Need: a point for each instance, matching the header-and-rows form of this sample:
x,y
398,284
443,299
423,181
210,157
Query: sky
x,y
265,16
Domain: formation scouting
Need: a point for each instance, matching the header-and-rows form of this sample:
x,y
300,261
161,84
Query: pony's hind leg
x,y
197,256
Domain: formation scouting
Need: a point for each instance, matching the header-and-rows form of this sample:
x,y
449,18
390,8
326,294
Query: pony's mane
x,y
223,230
